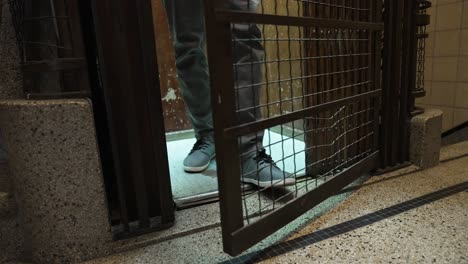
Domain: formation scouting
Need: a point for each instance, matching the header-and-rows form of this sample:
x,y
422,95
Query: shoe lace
x,y
263,157
201,144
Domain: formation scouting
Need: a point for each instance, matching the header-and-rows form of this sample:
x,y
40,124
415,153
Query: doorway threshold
x,y
193,189
189,189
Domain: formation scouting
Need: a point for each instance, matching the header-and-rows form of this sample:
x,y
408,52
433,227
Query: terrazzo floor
x,y
434,232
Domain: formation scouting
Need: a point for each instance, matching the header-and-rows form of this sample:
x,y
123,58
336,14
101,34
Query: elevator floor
x,y
196,188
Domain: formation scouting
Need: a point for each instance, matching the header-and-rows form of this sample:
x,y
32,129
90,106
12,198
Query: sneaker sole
x,y
198,169
274,184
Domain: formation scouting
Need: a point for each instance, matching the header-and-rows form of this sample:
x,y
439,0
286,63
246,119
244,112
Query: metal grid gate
x,y
52,49
311,100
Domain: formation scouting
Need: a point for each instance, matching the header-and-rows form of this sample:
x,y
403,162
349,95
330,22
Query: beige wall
x,y
446,69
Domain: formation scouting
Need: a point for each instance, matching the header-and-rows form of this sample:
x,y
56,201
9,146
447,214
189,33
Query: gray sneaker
x,y
200,156
262,171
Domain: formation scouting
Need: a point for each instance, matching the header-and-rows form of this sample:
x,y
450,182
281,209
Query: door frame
x,y
128,67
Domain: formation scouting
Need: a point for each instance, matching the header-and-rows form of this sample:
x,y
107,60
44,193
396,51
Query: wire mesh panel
x,y
421,36
296,88
51,48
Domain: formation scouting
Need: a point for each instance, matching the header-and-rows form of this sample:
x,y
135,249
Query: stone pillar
x,y
11,87
425,139
57,177
11,81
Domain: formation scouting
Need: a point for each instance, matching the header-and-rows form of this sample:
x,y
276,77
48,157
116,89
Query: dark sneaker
x,y
200,156
262,171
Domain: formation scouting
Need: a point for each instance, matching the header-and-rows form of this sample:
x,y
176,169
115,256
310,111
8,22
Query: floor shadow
x,y
454,158
455,135
354,188
280,195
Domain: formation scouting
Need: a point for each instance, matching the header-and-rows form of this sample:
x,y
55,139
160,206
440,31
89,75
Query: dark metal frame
x,y
400,52
129,71
236,236
391,82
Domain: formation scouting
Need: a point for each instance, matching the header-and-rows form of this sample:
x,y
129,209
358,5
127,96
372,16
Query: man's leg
x,y
186,19
188,27
248,49
257,167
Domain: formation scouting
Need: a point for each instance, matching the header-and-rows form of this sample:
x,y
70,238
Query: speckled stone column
x,y
11,82
11,87
425,139
57,177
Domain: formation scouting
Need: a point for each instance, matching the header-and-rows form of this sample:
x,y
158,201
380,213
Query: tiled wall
x,y
446,69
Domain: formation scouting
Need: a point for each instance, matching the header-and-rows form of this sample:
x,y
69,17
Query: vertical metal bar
x,y
355,119
107,58
394,140
133,102
99,109
406,73
360,78
322,68
158,188
314,51
388,53
412,64
344,34
341,125
306,101
224,114
366,62
310,83
335,84
134,105
376,6
328,86
414,51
